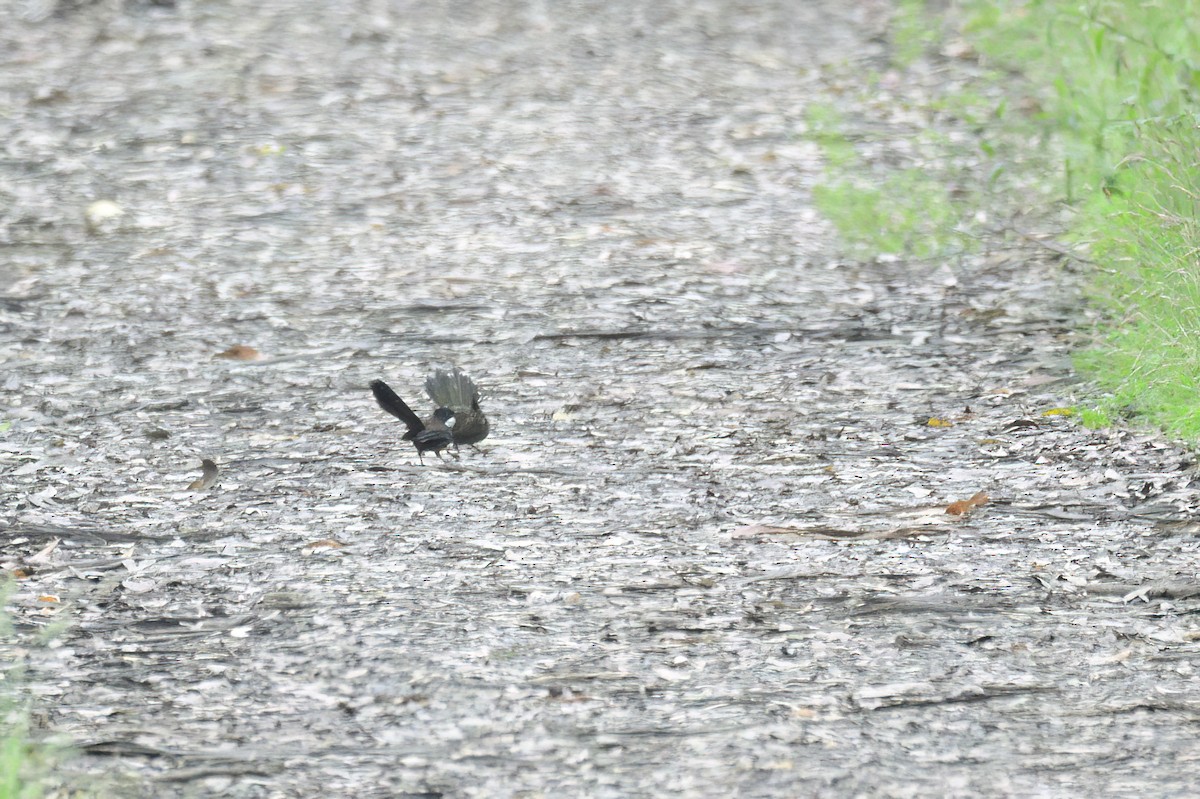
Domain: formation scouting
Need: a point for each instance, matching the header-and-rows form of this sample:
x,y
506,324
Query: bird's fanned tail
x,y
452,389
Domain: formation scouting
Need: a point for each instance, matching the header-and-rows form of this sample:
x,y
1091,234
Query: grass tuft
x,y
1087,106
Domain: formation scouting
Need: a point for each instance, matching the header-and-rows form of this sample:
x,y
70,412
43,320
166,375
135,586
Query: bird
x,y
455,390
432,434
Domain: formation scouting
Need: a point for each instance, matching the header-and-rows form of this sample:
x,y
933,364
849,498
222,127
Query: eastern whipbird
x,y
456,391
432,434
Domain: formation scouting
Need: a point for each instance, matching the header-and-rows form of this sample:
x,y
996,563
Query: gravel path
x,y
704,552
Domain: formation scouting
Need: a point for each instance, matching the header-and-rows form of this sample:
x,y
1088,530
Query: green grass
x,y
17,759
17,755
897,211
906,213
32,769
1119,85
1086,111
29,768
911,34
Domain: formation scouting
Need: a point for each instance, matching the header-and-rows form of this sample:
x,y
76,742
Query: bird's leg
x,y
421,455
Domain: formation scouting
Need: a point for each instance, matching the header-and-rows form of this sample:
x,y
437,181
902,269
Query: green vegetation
x,y
15,757
899,211
29,769
1087,106
911,33
16,752
1117,81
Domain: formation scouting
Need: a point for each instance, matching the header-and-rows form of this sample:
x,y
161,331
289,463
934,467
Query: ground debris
x,y
709,527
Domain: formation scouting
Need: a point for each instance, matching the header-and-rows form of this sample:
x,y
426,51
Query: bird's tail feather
x,y
452,389
390,401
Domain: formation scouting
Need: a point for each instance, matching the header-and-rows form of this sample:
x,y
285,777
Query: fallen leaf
x,y
139,586
936,422
239,352
1059,412
208,478
48,598
755,530
824,533
965,506
43,554
324,543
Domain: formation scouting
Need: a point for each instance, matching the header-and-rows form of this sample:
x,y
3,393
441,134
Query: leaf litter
x,y
687,561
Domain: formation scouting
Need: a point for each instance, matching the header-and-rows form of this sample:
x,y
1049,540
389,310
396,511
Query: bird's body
x,y
455,390
432,434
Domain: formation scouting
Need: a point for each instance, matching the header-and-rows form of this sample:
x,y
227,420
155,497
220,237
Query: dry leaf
x,y
755,530
965,506
1059,412
43,554
324,543
826,533
209,477
239,352
936,422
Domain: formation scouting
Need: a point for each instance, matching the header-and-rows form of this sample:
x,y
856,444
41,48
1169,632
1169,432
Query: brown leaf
x,y
239,352
324,543
965,506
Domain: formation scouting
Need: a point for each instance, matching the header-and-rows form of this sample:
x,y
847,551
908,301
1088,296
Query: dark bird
x,y
428,435
456,391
